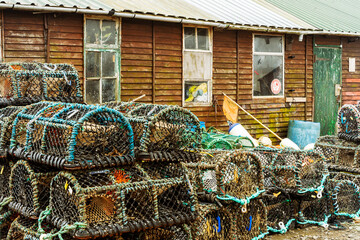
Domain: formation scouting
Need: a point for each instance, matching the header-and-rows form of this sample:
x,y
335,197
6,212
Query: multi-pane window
x,y
197,66
101,60
268,66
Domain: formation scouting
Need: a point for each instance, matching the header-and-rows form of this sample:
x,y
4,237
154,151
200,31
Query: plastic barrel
x,y
303,133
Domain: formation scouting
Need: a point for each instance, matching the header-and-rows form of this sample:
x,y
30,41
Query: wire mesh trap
x,y
175,232
250,223
72,136
281,210
7,116
338,176
120,200
171,131
349,123
232,176
341,155
295,171
346,198
5,171
26,83
30,188
123,107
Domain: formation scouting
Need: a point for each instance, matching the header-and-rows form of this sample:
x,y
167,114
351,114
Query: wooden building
x,y
270,71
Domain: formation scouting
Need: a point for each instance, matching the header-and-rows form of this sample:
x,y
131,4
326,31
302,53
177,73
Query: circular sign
x,y
275,86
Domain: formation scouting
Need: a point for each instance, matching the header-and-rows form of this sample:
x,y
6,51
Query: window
x,y
101,60
197,66
268,66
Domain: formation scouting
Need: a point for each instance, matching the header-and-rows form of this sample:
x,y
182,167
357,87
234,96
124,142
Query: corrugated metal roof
x,y
239,12
329,15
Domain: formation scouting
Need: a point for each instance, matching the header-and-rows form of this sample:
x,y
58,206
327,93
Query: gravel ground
x,y
352,231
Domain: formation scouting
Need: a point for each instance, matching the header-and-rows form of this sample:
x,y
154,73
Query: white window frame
x,y
210,50
89,47
268,54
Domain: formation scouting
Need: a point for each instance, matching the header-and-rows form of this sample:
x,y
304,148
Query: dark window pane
x,y
189,34
268,44
108,90
203,38
93,64
108,64
266,70
109,32
93,31
92,91
196,92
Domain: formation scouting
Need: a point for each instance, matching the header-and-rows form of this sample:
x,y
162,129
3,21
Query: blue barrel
x,y
303,133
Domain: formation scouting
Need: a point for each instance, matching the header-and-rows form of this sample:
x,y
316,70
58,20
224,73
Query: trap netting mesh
x,y
123,107
162,128
5,171
346,199
25,83
340,154
30,188
231,176
120,200
7,116
213,139
338,176
72,136
175,232
349,123
293,170
213,223
281,210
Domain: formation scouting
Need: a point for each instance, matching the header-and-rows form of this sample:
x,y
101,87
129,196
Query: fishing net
x,y
346,197
250,221
233,176
7,116
349,123
120,200
72,136
5,171
341,155
26,83
123,107
296,171
6,218
213,223
175,232
281,210
338,176
161,128
30,188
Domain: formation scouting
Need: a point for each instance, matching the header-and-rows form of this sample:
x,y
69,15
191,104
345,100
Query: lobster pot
x,y
5,171
26,83
250,220
30,188
123,107
234,176
6,218
214,223
292,170
281,210
316,209
175,232
338,176
349,122
161,128
341,155
224,141
7,116
346,198
119,201
72,136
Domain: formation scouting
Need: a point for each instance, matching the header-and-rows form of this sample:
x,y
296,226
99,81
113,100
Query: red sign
x,y
275,86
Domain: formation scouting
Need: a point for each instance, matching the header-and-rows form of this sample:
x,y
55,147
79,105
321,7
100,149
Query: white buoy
x,y
286,142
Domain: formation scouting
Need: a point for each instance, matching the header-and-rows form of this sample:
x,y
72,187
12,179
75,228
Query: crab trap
x,y
349,123
72,136
166,132
281,210
26,83
340,154
346,198
30,188
120,200
213,223
295,171
229,176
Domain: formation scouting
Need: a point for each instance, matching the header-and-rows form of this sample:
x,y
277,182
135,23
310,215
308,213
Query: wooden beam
x,y
306,79
153,64
237,67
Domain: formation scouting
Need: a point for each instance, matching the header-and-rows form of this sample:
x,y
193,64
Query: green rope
x,y
241,201
5,202
283,229
262,235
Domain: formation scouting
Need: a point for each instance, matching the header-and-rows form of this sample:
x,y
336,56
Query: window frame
x,y
90,47
268,54
209,81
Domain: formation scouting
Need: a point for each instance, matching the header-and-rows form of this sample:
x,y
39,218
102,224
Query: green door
x,y
327,76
